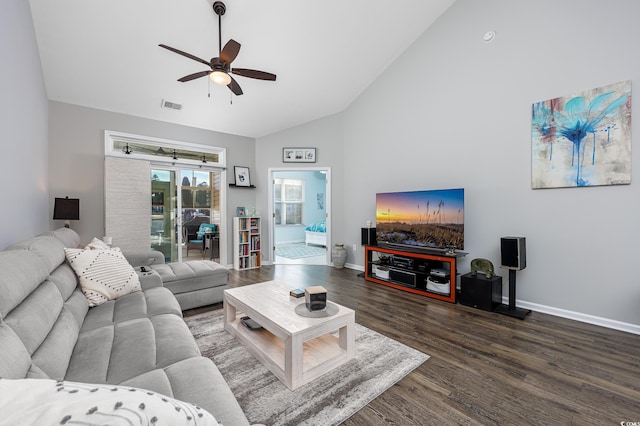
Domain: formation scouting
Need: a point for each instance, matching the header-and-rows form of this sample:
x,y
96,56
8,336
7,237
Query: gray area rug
x,y
329,400
298,251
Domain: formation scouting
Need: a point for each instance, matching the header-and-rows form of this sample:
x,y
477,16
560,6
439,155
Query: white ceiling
x,y
105,55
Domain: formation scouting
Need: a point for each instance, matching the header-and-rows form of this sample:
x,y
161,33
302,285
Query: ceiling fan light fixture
x,y
220,66
220,77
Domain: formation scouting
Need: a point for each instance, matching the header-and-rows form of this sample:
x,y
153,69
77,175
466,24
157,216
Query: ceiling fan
x,y
221,65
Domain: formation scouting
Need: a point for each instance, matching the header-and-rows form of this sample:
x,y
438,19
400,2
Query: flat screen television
x,y
430,219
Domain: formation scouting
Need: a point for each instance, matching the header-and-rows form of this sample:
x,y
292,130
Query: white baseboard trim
x,y
577,316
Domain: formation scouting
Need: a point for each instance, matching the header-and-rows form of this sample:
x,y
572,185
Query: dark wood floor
x,y
485,368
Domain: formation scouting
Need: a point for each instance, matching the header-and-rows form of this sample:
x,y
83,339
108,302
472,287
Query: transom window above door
x,y
160,151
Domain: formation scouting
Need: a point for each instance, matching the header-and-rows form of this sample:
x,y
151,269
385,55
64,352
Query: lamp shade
x,y
66,209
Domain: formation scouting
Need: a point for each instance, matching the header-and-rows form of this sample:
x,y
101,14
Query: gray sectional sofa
x,y
194,283
48,331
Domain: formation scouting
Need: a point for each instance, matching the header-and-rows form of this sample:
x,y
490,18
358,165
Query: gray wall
x,y
325,134
26,205
453,111
76,165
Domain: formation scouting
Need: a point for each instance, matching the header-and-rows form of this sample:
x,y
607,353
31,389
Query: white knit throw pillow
x,y
103,274
51,402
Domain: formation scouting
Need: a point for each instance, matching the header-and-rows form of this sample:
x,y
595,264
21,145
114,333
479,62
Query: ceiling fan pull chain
x,y
209,87
230,98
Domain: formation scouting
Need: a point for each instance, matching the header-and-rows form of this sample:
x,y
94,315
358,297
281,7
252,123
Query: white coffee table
x,y
295,348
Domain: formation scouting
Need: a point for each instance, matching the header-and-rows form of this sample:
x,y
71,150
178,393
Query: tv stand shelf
x,y
425,272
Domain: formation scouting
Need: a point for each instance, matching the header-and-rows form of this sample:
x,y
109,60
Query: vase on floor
x,y
339,255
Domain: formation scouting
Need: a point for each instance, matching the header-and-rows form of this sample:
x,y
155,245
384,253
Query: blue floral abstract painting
x,y
582,140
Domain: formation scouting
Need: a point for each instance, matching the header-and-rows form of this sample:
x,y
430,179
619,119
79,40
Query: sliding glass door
x,y
182,200
200,192
163,214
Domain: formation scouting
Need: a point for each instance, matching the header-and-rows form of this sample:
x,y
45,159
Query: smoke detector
x,y
489,36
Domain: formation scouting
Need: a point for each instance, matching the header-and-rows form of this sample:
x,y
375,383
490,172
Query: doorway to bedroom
x,y
299,206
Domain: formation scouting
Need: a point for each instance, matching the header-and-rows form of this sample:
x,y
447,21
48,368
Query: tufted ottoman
x,y
195,283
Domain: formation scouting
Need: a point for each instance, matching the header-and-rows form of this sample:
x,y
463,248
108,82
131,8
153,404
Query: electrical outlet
x,y
355,247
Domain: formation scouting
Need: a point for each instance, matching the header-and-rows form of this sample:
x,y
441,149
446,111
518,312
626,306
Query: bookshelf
x,y
246,243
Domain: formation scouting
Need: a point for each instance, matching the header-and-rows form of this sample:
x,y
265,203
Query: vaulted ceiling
x,y
105,55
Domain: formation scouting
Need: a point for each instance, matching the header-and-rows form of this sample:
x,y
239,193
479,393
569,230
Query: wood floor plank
x,y
485,368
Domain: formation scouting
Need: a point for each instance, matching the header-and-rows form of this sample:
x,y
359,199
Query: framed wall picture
x,y
241,212
583,139
298,155
242,176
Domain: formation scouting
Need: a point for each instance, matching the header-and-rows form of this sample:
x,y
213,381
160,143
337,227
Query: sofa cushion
x,y
37,401
48,248
145,304
65,279
52,356
40,322
67,236
22,272
34,319
192,275
183,380
119,352
103,274
144,258
15,360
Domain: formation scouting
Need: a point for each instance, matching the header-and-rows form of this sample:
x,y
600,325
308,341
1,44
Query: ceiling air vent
x,y
171,105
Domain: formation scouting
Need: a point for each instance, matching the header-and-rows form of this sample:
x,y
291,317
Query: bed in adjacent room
x,y
316,234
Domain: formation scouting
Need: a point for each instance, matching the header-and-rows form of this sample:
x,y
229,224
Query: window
x,y
196,191
163,151
288,196
200,195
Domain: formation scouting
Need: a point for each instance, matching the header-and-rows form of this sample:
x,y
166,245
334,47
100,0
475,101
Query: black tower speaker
x,y
368,236
513,253
513,256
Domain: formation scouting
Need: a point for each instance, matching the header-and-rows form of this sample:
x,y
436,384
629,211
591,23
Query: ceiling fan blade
x,y
230,51
260,75
188,55
234,87
194,76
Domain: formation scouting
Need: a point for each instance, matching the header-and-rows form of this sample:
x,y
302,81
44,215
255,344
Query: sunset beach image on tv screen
x,y
422,219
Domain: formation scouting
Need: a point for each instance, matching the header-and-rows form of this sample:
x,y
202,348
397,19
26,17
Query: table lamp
x,y
66,209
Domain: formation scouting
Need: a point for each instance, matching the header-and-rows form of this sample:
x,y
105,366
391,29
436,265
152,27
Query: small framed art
x,y
298,155
242,176
241,212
